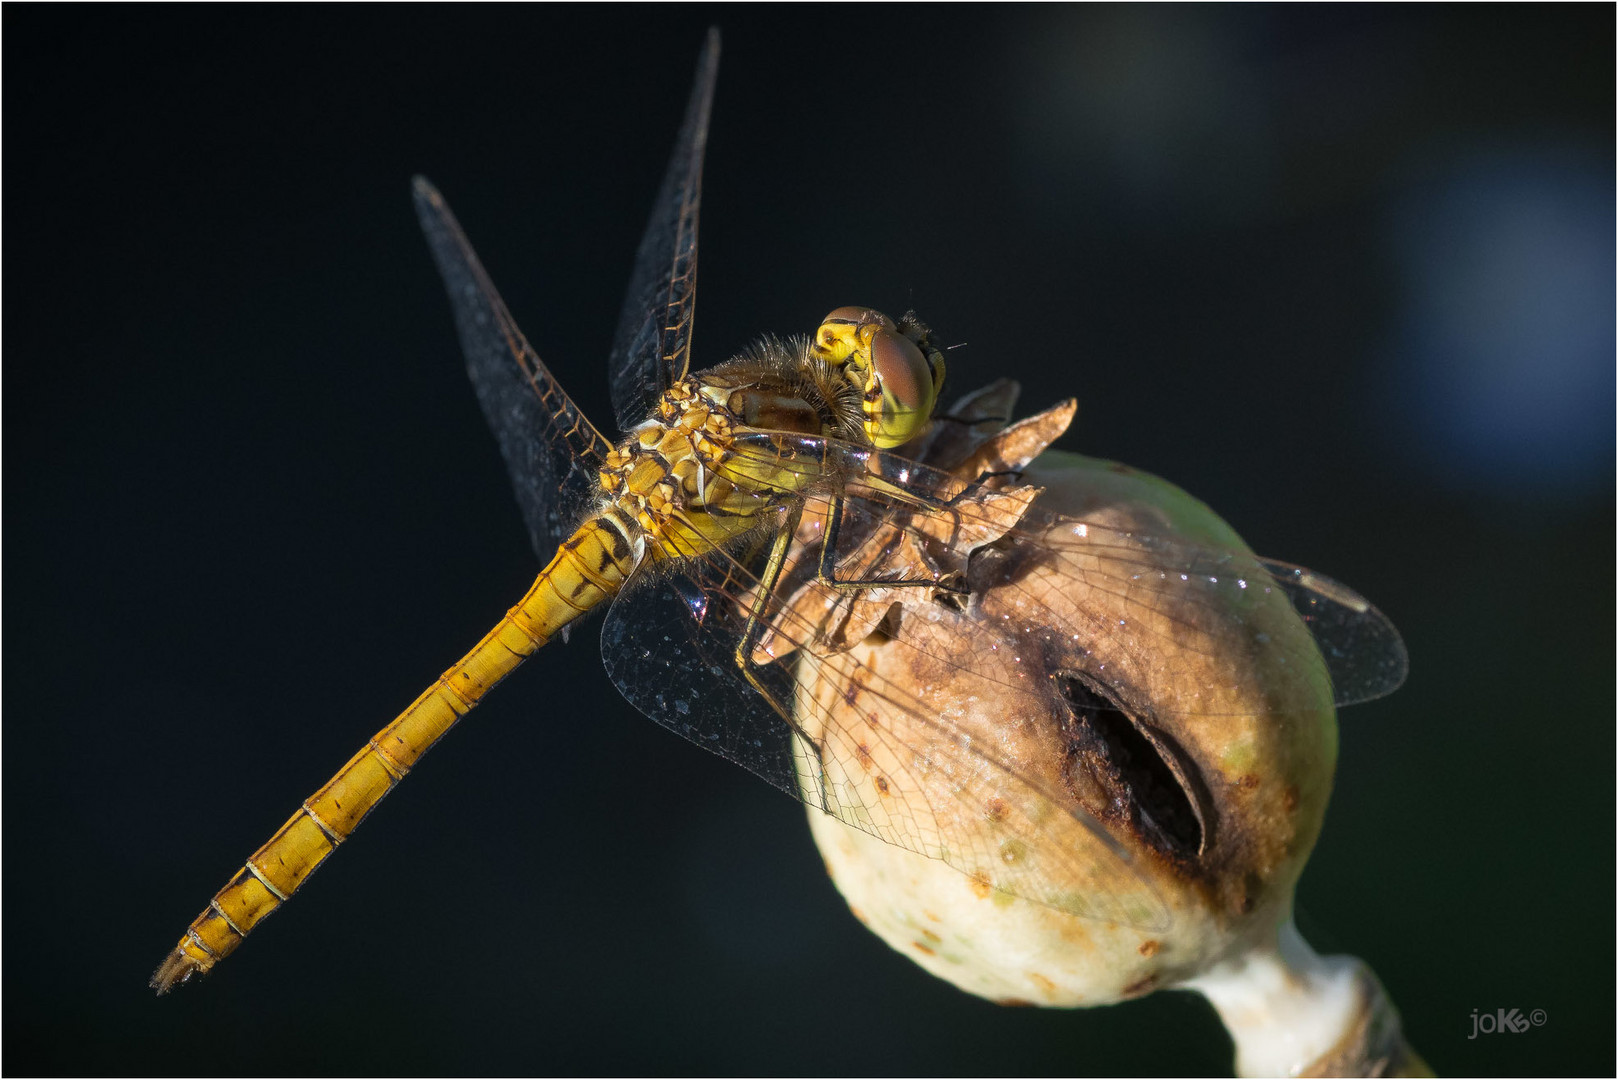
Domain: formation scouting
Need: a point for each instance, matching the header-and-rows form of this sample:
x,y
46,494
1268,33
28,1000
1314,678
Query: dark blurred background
x,y
1344,273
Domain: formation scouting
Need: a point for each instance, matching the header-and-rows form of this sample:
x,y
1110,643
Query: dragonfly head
x,y
895,366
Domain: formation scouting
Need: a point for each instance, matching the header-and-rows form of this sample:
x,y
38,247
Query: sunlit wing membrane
x,y
551,450
1197,589
1173,629
898,771
652,347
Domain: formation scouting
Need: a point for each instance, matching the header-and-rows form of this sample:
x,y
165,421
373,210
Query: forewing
x,y
652,348
552,452
1161,593
1364,654
1170,592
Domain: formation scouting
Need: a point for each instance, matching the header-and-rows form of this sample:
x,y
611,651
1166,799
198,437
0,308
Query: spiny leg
x,y
753,628
826,572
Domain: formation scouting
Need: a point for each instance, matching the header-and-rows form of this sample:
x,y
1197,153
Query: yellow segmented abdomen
x,y
589,568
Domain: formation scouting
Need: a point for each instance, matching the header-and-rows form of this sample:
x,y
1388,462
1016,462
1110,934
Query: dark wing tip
x,y
424,192
707,73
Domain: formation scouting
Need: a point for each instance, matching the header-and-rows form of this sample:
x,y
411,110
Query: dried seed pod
x,y
1205,759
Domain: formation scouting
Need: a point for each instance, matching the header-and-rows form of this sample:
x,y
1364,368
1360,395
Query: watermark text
x,y
1506,1021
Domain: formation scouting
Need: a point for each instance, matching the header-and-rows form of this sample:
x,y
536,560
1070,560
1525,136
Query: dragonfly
x,y
759,520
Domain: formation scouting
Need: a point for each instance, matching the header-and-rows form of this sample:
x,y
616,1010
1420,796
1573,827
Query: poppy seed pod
x,y
1131,730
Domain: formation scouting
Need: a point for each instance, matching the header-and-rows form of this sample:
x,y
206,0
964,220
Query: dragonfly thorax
x,y
679,475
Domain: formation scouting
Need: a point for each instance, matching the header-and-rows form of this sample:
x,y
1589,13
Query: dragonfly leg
x,y
744,659
826,573
754,626
749,637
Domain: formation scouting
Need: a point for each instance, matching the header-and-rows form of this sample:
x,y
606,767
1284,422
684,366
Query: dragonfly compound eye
x,y
900,386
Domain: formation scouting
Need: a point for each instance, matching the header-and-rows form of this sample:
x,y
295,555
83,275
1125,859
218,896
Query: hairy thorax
x,y
683,477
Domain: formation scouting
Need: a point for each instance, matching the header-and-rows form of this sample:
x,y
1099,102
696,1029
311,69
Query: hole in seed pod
x,y
1133,771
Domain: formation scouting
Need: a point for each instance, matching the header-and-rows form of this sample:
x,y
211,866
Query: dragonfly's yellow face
x,y
895,368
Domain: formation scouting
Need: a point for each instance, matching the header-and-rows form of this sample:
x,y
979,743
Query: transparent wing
x,y
652,347
1363,652
551,450
669,643
1182,590
973,727
860,744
